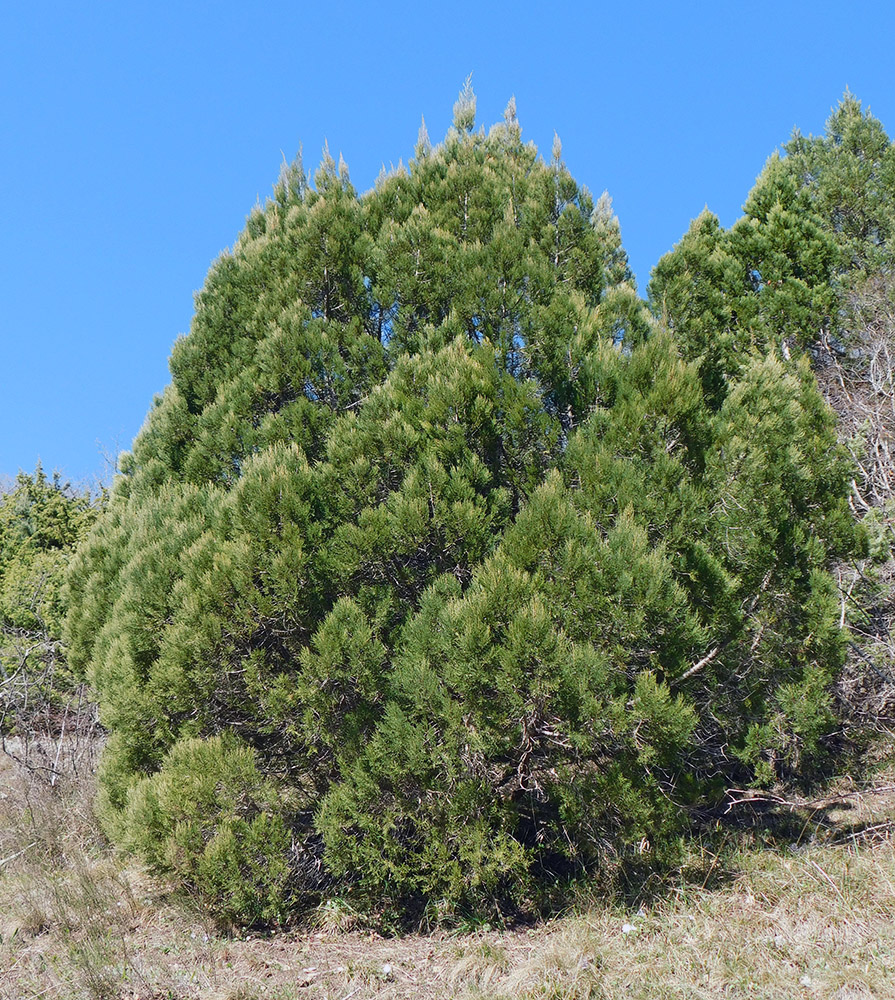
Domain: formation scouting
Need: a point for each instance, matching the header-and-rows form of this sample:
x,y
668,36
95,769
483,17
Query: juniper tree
x,y
41,521
816,226
849,174
430,552
763,285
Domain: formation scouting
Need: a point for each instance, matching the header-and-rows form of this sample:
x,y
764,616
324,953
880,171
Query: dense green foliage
x,y
849,176
810,268
442,569
41,522
818,225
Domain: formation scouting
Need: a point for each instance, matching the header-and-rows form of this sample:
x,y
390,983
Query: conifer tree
x,y
41,522
431,558
764,285
849,174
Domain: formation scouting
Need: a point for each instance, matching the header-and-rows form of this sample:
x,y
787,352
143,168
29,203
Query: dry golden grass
x,y
811,922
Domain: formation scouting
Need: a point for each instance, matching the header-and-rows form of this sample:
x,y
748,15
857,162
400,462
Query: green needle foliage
x,y
41,522
849,174
441,570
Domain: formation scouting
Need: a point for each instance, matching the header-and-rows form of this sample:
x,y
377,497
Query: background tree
x,y
41,521
815,246
849,173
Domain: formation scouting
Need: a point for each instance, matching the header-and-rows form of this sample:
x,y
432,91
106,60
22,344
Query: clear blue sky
x,y
137,136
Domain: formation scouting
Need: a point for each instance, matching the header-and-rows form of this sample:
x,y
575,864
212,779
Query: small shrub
x,y
210,818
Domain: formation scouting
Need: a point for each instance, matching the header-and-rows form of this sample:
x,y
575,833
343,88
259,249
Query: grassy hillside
x,y
809,917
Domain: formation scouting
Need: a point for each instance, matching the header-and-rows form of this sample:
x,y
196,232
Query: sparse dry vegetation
x,y
809,917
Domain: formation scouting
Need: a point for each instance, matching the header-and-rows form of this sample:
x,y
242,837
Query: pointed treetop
x,y
291,183
858,130
602,212
509,113
327,163
847,102
326,172
464,109
423,145
557,148
511,120
343,169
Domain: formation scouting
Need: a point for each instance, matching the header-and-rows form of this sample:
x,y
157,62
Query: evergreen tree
x,y
431,556
849,174
41,521
764,285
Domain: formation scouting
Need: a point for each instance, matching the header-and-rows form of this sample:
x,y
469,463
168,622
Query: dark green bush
x,y
485,575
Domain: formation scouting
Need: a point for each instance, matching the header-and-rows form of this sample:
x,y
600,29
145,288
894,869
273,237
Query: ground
x,y
812,918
